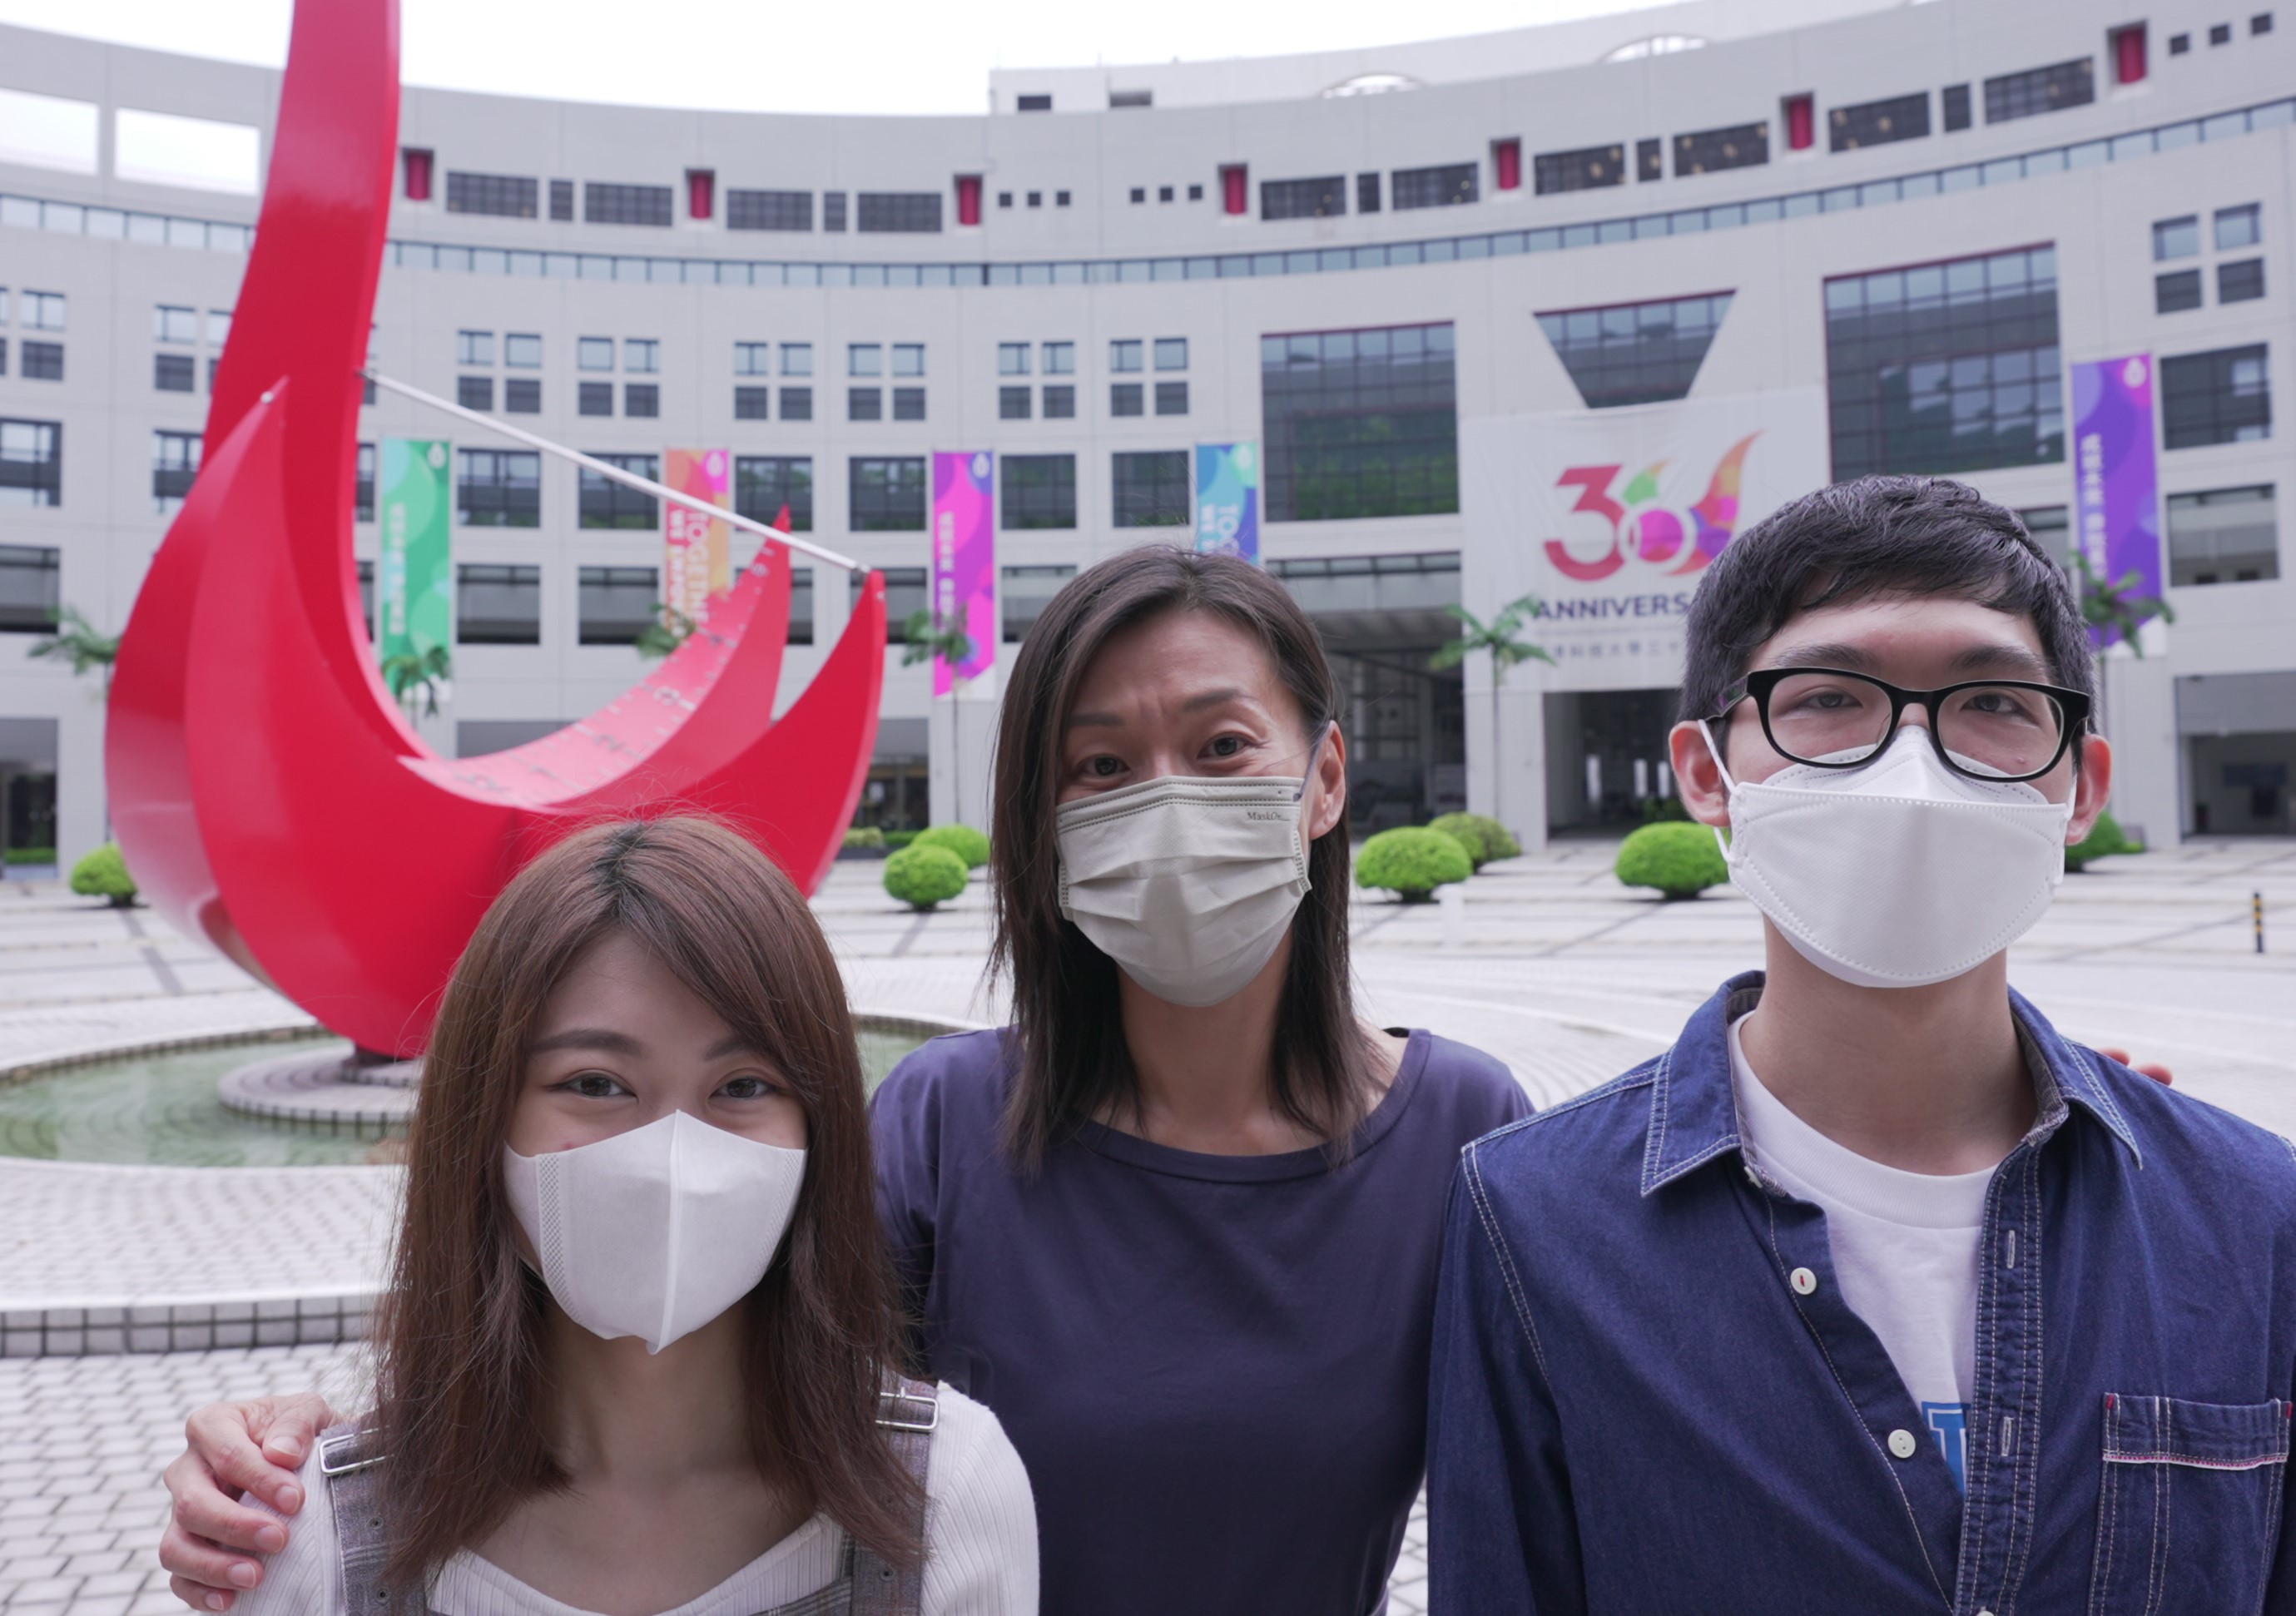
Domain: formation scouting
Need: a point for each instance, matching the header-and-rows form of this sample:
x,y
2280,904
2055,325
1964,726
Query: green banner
x,y
414,593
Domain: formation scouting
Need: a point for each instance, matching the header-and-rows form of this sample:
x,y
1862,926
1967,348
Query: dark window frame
x,y
1151,488
498,488
1037,492
520,581
1359,422
615,585
886,493
611,203
764,483
2202,401
601,502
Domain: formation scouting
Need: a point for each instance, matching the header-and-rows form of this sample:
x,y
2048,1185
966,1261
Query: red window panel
x,y
968,199
1236,191
418,173
2129,55
1802,123
700,193
1506,164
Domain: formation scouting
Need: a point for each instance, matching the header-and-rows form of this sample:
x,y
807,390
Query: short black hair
x,y
1907,536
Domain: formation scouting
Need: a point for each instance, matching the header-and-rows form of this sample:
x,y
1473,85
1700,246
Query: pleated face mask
x,y
1900,874
655,1232
1188,882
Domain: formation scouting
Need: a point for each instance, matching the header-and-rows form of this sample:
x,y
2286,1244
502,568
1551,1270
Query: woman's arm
x,y
981,1518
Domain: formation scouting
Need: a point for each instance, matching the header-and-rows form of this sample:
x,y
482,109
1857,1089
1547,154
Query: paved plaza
x,y
1549,963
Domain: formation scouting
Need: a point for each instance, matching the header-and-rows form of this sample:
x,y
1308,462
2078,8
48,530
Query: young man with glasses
x,y
1873,1293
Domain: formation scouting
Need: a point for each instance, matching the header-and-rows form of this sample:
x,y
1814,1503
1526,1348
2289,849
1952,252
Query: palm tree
x,y
666,632
1498,638
2114,607
77,642
417,677
929,640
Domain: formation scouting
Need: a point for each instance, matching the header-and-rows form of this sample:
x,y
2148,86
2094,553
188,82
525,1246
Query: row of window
x,y
34,311
2234,230
606,202
174,323
38,361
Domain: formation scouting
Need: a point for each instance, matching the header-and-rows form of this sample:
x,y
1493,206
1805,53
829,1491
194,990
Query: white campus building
x,y
1503,316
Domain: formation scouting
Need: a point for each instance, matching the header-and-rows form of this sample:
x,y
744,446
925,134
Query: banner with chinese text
x,y
414,585
2116,477
964,560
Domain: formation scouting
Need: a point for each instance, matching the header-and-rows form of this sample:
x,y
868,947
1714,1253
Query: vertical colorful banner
x,y
414,585
2117,481
1227,499
964,560
695,562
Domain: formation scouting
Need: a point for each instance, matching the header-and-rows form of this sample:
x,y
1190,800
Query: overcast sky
x,y
877,57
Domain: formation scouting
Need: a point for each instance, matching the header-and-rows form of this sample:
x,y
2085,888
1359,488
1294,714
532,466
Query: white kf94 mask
x,y
1187,881
1895,874
655,1232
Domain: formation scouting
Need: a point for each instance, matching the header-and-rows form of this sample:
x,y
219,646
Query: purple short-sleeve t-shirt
x,y
1214,1368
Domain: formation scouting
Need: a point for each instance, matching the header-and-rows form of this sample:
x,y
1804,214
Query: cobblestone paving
x,y
1548,964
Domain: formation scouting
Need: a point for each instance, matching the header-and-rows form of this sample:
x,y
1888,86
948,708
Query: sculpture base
x,y
326,1089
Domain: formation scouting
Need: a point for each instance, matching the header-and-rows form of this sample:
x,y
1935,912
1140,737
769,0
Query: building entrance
x,y
1606,758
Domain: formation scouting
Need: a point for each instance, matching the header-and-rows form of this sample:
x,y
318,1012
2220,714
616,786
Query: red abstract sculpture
x,y
265,788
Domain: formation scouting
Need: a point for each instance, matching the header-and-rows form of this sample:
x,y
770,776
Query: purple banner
x,y
2116,477
964,561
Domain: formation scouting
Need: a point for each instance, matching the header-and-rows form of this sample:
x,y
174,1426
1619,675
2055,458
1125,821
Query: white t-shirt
x,y
1905,1249
980,1546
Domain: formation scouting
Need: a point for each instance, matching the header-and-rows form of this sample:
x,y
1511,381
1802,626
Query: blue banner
x,y
1227,499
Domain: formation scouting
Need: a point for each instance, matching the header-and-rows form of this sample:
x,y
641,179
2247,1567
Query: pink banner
x,y
695,562
964,561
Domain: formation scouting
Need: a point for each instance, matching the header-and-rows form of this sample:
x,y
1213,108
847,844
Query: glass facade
x,y
1360,423
1946,367
887,495
1038,491
2225,535
500,489
1876,123
765,483
1153,489
1635,353
498,605
616,603
2221,397
608,503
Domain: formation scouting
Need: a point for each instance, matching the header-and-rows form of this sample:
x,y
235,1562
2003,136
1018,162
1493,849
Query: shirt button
x,y
1803,1282
1902,1444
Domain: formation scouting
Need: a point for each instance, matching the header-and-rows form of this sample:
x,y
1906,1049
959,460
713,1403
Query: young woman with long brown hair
x,y
635,1355
1178,1224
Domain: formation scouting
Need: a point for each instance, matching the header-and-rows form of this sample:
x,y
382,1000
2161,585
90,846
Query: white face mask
x,y
1187,883
1900,874
655,1232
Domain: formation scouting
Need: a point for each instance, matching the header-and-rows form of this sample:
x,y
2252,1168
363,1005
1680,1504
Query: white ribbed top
x,y
980,1545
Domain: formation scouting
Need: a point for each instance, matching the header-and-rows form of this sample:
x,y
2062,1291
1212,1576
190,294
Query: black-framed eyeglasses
x,y
1987,729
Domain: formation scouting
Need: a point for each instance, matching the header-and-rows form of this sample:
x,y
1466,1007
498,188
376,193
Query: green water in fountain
x,y
161,1111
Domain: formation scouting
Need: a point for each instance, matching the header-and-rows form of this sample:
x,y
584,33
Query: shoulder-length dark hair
x,y
1069,1055
463,1372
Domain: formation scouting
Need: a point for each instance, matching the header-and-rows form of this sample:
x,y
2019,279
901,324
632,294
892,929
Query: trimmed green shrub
x,y
2105,837
864,839
29,856
103,874
1665,810
923,877
962,839
1412,861
1484,836
898,840
1680,860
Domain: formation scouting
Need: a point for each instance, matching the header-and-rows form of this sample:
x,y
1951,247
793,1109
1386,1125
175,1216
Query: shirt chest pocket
x,y
2189,1507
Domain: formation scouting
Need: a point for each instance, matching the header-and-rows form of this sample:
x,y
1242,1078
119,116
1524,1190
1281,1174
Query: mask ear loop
x,y
1714,750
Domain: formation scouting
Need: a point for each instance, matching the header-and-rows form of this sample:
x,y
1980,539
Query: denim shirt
x,y
1649,1396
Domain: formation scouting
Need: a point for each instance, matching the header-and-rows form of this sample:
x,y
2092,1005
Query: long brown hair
x,y
463,1376
1068,1053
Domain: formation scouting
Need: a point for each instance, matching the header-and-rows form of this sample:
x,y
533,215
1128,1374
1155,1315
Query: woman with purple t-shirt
x,y
1177,1225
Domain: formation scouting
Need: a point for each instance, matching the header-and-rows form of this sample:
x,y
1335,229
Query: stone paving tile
x,y
85,1439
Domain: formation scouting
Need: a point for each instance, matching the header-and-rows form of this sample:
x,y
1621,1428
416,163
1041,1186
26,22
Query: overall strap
x,y
349,1459
907,1411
